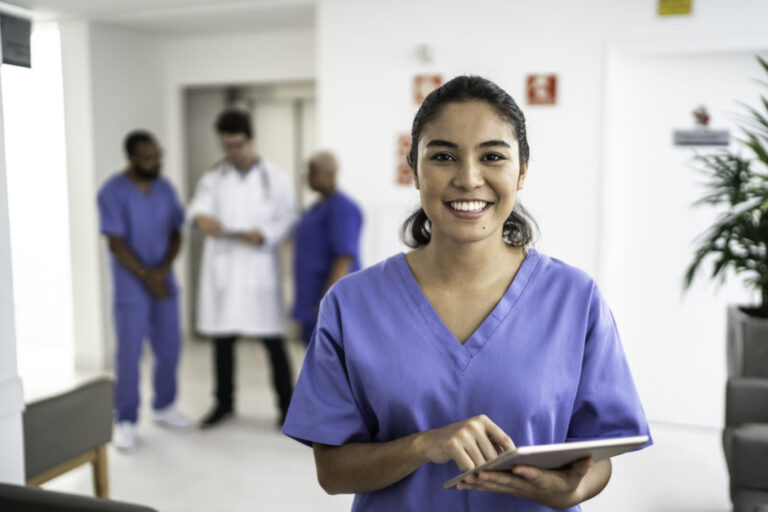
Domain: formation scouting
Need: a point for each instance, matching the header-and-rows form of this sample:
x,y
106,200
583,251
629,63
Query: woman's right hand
x,y
469,443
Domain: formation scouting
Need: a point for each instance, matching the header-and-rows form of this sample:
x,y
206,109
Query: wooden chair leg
x,y
100,473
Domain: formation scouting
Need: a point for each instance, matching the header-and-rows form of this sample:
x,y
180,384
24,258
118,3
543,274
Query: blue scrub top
x,y
145,223
331,228
546,365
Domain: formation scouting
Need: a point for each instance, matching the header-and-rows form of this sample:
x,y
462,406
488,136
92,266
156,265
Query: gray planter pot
x,y
747,349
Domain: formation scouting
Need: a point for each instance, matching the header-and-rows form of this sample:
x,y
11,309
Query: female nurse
x,y
433,362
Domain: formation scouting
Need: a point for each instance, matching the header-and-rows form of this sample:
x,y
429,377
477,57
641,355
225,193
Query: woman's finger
x,y
460,456
499,436
474,452
486,447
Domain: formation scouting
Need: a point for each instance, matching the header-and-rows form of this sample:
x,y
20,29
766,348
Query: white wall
x,y
88,310
11,395
366,62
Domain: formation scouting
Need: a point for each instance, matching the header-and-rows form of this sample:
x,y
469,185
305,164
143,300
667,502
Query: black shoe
x,y
216,415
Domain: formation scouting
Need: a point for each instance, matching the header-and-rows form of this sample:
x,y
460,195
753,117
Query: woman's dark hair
x,y
517,232
134,138
234,120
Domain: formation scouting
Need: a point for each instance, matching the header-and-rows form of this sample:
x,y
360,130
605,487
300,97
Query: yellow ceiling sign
x,y
674,7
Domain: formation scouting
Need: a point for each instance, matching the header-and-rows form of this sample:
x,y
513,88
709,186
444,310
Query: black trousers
x,y
224,360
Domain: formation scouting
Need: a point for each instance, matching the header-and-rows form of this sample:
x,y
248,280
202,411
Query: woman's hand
x,y
469,443
559,488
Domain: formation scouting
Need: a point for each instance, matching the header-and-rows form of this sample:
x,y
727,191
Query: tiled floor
x,y
247,465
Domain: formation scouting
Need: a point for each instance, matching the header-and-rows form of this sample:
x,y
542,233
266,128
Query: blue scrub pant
x,y
157,320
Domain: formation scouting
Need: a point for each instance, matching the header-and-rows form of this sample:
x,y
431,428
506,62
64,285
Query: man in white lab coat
x,y
245,207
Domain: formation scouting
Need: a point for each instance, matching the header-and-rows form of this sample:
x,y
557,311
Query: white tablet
x,y
551,456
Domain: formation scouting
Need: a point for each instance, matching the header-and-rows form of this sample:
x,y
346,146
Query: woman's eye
x,y
442,157
493,157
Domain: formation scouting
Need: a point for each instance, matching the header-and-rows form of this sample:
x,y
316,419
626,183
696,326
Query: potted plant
x,y
738,240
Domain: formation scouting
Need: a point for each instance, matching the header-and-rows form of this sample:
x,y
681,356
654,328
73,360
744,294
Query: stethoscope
x,y
257,167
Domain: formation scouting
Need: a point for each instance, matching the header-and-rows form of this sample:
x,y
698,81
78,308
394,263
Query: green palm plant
x,y
738,240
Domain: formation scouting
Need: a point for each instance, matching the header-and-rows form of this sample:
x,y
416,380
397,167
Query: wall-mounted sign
x,y
702,135
541,89
425,84
674,7
14,34
403,173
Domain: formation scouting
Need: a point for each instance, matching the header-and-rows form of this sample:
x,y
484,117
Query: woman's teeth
x,y
468,206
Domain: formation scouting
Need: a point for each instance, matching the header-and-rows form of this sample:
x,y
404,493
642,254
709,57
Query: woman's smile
x,y
468,208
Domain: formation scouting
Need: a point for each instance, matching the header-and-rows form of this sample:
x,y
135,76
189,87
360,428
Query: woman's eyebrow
x,y
439,142
493,143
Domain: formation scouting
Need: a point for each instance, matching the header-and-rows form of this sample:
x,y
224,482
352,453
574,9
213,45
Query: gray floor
x,y
247,465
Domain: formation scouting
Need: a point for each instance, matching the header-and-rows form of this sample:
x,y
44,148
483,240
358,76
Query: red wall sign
x,y
403,174
541,89
423,85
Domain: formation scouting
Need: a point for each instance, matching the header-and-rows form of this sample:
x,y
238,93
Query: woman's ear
x,y
523,174
413,169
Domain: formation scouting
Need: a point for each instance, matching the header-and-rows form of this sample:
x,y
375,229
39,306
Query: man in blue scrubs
x,y
140,215
327,241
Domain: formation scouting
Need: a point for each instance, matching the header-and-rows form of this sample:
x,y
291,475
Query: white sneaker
x,y
170,416
125,436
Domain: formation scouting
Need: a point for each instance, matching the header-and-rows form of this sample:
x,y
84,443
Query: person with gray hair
x,y
327,240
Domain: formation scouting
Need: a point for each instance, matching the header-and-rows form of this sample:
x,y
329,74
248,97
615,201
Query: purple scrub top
x,y
329,229
145,223
546,365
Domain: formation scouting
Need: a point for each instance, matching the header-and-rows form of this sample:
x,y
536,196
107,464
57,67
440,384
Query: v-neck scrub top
x,y
145,222
546,365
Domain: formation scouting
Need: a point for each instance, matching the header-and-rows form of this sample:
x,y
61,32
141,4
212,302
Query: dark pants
x,y
224,358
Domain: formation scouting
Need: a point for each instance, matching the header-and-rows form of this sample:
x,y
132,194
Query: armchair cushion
x,y
66,425
746,400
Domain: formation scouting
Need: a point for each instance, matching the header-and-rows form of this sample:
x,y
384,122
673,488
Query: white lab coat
x,y
240,289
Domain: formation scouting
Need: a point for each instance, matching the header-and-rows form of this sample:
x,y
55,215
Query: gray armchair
x,y
745,440
67,430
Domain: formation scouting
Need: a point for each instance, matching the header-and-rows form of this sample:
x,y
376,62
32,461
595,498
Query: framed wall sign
x,y
403,173
425,84
674,7
15,34
541,89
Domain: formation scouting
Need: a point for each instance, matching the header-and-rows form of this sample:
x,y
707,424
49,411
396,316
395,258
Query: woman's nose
x,y
468,176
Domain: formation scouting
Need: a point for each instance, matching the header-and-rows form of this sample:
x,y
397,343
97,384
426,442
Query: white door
x,y
675,341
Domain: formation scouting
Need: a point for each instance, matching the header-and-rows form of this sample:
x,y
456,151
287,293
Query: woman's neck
x,y
468,264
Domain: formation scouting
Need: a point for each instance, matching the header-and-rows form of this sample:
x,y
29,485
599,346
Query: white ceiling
x,y
180,17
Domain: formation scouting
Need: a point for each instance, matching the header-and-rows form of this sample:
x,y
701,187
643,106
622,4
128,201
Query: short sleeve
x,y
111,220
323,407
284,211
203,201
346,221
607,404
